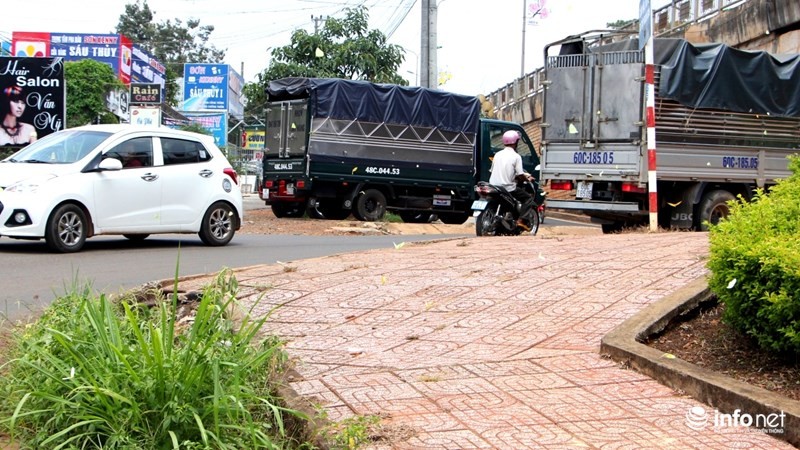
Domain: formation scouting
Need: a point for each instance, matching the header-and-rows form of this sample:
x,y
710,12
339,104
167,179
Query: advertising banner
x,y
145,68
146,93
205,87
215,123
32,99
253,139
112,49
118,102
146,116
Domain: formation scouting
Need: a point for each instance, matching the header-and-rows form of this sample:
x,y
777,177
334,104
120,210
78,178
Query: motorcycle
x,y
496,211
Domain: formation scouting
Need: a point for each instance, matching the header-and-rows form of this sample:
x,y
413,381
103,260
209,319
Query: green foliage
x,y
755,265
172,42
353,432
88,81
96,374
342,48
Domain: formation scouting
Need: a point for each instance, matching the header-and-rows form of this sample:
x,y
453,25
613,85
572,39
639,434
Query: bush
x,y
755,265
92,373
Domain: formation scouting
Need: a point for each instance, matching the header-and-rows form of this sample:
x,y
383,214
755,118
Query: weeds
x,y
92,373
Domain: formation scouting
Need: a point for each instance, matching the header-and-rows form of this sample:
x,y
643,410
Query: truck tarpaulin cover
x,y
381,103
721,77
718,76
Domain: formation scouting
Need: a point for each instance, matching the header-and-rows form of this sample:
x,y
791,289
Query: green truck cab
x,y
337,147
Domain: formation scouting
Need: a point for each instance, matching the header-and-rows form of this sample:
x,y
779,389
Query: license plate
x,y
479,205
584,189
290,189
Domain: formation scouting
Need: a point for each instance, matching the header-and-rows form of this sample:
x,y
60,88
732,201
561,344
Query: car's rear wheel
x,y
219,225
67,229
136,237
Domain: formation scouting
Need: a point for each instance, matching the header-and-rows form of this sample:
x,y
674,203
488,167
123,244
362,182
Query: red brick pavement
x,y
489,342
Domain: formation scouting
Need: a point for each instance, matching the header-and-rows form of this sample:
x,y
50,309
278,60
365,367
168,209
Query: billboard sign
x,y
146,93
145,68
112,49
118,102
32,91
215,123
205,87
145,116
253,139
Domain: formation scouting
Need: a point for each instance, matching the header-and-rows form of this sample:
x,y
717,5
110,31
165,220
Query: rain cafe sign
x,y
145,93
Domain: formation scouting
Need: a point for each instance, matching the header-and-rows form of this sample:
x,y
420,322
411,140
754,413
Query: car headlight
x,y
30,185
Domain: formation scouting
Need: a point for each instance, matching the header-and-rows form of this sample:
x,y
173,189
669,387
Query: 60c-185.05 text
x,y
593,157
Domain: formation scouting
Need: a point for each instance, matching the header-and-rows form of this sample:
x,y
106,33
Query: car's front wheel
x,y
67,229
219,225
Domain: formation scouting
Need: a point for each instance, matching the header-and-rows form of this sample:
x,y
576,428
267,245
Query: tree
x,y
87,82
171,42
343,48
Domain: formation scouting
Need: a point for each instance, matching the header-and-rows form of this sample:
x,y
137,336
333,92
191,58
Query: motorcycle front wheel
x,y
485,224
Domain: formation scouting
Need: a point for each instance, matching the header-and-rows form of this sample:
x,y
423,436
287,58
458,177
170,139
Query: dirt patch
x,y
706,341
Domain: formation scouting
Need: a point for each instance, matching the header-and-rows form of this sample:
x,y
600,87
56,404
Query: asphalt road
x,y
31,276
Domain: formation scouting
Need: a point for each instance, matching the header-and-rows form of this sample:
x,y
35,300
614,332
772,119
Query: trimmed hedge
x,y
755,265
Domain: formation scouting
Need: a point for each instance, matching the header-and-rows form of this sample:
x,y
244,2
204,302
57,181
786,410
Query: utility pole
x,y
317,20
429,71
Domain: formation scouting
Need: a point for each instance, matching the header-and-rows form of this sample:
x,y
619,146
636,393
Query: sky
x,y
480,41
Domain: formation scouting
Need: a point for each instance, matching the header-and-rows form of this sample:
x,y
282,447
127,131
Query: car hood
x,y
11,173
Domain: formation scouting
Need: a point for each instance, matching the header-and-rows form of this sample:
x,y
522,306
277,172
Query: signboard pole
x,y
646,40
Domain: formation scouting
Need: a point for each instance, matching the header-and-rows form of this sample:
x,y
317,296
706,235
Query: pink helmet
x,y
510,137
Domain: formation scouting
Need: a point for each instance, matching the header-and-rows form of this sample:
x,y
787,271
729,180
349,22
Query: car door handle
x,y
206,173
149,177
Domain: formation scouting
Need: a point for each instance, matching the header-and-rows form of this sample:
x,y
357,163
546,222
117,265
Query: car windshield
x,y
63,147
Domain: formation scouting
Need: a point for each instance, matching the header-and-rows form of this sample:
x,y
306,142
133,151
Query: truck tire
x,y
370,206
329,209
415,217
615,227
294,209
454,218
712,208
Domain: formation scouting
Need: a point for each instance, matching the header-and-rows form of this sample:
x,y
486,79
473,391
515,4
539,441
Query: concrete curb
x,y
727,395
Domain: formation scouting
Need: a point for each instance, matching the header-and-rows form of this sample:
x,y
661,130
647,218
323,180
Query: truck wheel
x,y
453,218
294,209
713,208
370,206
415,217
67,229
329,209
615,227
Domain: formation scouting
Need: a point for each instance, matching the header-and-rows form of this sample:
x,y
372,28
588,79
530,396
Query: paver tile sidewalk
x,y
490,342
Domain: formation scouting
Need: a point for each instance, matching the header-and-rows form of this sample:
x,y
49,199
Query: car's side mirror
x,y
110,164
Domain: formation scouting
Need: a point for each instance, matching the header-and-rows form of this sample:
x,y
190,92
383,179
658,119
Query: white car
x,y
119,179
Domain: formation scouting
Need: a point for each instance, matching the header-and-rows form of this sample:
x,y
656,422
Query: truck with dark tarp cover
x,y
336,147
725,122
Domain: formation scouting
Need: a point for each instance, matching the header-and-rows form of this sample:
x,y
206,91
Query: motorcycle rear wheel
x,y
485,224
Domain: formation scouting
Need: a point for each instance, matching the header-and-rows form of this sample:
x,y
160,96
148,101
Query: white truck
x,y
725,122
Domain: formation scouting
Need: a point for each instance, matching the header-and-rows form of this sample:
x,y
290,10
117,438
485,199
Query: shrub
x,y
92,373
755,265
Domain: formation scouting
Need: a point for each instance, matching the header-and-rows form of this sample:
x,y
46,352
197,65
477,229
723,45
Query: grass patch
x,y
96,373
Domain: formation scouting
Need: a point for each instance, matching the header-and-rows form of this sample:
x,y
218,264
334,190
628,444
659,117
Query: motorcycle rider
x,y
507,169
